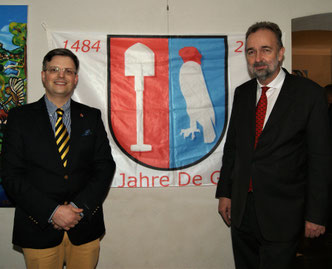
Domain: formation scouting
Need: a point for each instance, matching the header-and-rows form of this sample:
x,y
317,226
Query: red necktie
x,y
260,118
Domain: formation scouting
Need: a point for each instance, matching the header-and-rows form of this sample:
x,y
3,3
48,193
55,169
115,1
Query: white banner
x,y
165,101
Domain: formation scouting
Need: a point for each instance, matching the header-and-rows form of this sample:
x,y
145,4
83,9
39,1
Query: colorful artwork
x,y
13,67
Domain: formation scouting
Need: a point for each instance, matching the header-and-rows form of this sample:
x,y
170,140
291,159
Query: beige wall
x,y
312,55
153,228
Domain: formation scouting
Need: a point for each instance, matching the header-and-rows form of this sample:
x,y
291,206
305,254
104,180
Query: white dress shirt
x,y
272,93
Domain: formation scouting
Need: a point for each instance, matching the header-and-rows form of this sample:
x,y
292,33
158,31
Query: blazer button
x,y
65,177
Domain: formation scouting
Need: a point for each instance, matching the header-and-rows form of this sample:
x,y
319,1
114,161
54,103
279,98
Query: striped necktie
x,y
62,137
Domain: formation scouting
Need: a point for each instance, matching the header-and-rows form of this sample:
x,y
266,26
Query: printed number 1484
x,y
84,46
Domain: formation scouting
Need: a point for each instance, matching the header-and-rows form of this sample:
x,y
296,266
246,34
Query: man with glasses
x,y
57,168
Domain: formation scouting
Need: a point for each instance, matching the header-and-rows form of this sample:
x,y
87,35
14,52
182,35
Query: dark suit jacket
x,y
290,166
34,177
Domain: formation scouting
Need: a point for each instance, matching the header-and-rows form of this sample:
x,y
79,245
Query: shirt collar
x,y
277,82
51,108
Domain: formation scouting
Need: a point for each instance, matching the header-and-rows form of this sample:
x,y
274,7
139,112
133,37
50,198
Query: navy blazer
x,y
290,166
35,179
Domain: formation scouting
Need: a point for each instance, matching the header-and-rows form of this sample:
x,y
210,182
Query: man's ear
x,y
281,55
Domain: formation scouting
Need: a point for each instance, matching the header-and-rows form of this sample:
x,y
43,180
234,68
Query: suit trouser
x,y
252,251
83,256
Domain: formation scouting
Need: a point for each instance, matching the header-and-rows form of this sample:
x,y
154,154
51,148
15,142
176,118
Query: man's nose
x,y
61,72
258,57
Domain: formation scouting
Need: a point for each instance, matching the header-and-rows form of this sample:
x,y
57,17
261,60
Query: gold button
x,y
65,177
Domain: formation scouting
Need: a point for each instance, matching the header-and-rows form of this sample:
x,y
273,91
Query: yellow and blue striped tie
x,y
61,137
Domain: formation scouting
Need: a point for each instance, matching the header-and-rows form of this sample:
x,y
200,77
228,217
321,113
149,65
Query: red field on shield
x,y
154,96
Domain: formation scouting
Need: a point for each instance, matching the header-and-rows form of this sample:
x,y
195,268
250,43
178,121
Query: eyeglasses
x,y
56,70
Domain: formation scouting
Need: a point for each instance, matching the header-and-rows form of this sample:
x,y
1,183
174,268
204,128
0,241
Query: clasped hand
x,y
66,217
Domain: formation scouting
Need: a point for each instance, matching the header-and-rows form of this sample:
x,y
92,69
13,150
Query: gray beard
x,y
263,74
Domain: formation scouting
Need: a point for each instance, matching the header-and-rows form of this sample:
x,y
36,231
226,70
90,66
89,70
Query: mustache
x,y
259,64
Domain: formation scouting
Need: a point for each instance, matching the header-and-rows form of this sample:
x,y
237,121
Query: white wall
x,y
153,228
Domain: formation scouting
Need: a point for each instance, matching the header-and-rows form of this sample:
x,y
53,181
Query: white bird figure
x,y
193,87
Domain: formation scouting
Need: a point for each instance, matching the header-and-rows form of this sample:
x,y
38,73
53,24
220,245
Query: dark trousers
x,y
252,251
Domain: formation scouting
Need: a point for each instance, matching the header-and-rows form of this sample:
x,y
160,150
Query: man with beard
x,y
276,165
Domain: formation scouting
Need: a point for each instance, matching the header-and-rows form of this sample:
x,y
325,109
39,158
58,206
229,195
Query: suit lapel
x,y
43,126
282,106
77,117
250,112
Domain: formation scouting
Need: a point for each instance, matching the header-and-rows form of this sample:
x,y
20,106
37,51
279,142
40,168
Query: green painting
x,y
13,67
